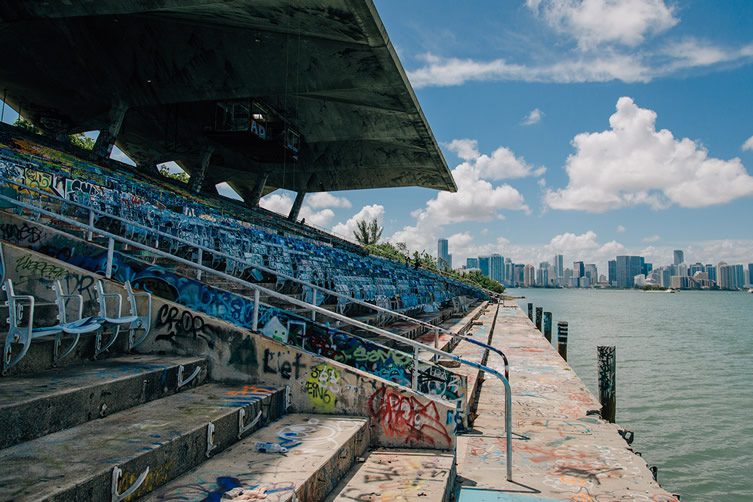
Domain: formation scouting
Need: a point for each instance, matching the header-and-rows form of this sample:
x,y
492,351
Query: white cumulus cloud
x,y
621,229
315,209
632,163
595,22
368,213
478,198
748,145
533,118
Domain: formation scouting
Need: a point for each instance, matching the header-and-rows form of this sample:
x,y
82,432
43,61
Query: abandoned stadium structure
x,y
165,343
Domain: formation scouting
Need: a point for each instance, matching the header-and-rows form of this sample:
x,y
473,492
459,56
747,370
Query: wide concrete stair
x,y
320,451
154,426
102,457
37,404
399,474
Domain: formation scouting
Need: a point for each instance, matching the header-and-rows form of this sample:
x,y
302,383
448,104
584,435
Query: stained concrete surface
x,y
559,452
321,449
398,476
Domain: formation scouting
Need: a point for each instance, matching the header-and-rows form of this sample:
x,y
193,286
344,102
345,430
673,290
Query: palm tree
x,y
368,233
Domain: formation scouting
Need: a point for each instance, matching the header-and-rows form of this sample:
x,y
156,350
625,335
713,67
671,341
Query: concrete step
x,y
168,436
34,405
399,475
321,449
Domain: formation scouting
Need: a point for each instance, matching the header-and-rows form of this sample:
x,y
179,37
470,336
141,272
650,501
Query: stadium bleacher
x,y
195,218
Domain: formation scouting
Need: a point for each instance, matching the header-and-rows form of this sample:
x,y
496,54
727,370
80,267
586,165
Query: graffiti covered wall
x,y
399,416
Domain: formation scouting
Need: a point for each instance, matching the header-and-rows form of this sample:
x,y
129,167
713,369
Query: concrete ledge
x,y
36,405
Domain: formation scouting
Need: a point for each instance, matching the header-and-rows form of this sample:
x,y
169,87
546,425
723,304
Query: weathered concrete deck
x,y
559,452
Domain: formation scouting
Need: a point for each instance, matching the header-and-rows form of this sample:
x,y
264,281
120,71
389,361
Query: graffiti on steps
x,y
276,363
323,387
172,324
408,420
20,232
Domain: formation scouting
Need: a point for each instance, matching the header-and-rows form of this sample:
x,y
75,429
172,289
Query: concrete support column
x,y
293,216
198,177
255,195
106,139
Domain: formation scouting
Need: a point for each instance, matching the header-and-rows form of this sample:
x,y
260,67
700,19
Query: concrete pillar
x,y
106,139
562,339
293,216
548,326
607,368
256,191
197,178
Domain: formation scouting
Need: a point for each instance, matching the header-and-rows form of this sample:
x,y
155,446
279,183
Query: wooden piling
x,y
562,339
548,326
530,311
607,368
539,312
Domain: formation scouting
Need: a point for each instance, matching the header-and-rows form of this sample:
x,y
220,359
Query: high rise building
x,y
529,276
679,256
627,268
567,278
646,268
731,277
471,263
711,271
497,267
518,274
559,266
509,272
484,265
443,255
579,269
612,277
544,275
592,273
750,275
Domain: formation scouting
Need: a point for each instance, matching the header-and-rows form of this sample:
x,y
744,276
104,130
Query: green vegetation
x,y
82,141
24,124
182,176
399,252
368,233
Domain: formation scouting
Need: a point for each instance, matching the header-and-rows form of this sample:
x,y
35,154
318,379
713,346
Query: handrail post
x,y
313,301
255,319
90,233
200,261
110,255
414,381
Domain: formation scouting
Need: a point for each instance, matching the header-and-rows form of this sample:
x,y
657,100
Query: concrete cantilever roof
x,y
326,65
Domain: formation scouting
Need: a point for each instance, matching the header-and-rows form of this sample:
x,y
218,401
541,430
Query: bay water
x,y
684,378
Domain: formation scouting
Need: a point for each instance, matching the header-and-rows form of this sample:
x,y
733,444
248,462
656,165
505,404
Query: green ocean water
x,y
684,378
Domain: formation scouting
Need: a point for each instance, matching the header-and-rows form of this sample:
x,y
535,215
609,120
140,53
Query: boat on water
x,y
670,290
750,290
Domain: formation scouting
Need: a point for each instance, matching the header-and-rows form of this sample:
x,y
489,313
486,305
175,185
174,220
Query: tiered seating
x,y
24,328
195,219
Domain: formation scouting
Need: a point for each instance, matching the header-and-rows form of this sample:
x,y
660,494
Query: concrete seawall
x,y
561,451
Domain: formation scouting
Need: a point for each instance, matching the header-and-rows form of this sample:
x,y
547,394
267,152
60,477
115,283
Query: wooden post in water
x,y
539,311
562,339
530,311
548,326
607,368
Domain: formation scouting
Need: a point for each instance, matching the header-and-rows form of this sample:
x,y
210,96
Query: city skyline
x,y
624,271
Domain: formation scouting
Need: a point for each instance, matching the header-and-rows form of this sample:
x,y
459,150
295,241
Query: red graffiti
x,y
405,417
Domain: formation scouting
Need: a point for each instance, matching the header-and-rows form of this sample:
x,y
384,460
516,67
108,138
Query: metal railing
x,y
202,250
258,290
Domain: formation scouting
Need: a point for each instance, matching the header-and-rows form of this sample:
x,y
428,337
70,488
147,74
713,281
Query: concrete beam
x,y
199,176
106,139
293,215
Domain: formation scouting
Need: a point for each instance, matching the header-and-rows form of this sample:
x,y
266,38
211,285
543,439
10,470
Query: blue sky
x,y
481,68
520,95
